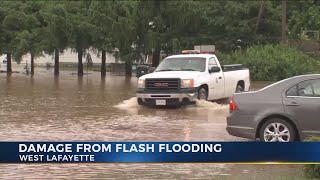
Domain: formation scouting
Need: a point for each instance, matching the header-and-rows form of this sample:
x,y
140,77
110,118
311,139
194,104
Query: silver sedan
x,y
288,110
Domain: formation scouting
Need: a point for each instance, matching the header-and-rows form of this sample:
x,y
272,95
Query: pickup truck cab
x,y
181,79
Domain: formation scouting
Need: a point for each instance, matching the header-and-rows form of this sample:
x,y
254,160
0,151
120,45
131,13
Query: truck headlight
x,y
141,84
187,83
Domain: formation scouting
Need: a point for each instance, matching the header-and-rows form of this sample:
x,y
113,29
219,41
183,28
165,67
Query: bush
x,y
273,62
312,170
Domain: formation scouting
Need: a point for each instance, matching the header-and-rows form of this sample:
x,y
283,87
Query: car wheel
x,y
239,88
277,130
202,94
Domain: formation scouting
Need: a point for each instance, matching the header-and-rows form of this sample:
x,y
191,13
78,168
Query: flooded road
x,y
68,108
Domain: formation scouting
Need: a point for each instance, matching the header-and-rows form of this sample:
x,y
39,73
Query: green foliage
x,y
312,170
273,62
80,26
124,29
226,22
101,11
138,28
313,139
304,15
11,21
57,29
31,30
177,25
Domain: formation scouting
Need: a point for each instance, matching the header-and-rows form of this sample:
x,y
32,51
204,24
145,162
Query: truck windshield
x,y
182,64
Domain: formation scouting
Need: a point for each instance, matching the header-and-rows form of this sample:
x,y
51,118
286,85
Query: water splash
x,y
200,104
130,103
203,104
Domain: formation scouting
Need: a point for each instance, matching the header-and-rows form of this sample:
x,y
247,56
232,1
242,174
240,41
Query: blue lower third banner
x,y
159,152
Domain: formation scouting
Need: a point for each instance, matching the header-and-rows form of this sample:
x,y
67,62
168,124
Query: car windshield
x,y
182,64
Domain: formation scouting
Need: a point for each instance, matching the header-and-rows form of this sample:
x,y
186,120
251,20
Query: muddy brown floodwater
x,y
68,108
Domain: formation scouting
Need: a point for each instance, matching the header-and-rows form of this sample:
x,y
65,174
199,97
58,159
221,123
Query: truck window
x,y
212,62
182,64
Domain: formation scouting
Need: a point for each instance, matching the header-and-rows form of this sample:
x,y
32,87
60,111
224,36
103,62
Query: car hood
x,y
172,74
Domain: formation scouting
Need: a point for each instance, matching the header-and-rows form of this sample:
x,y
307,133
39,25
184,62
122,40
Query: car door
x,y
302,102
216,84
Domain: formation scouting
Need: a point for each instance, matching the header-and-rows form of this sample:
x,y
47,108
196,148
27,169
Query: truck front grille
x,y
163,84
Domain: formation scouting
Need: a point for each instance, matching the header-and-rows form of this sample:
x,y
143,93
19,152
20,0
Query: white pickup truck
x,y
181,79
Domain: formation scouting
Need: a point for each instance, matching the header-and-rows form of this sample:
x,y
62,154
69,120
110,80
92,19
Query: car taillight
x,y
233,106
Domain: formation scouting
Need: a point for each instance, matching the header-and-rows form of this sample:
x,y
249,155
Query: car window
x,y
293,91
309,88
316,88
212,62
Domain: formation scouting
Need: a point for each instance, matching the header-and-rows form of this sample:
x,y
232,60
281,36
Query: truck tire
x,y
140,102
202,94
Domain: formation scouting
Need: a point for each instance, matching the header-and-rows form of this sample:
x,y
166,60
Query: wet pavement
x,y
68,108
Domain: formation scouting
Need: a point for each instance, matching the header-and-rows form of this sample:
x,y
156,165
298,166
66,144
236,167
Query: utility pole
x,y
284,36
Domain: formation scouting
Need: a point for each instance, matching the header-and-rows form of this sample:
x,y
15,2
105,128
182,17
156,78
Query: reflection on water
x,y
68,108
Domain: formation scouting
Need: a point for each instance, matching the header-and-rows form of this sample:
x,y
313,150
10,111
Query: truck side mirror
x,y
151,69
214,69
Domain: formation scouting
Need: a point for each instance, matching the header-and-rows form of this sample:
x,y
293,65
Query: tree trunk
x,y
56,62
260,15
32,64
156,57
128,69
80,65
103,64
284,21
9,69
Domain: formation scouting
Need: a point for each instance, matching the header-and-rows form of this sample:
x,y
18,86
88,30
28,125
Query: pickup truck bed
x,y
232,67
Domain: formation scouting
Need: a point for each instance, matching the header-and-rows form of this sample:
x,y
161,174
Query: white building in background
x,y
68,57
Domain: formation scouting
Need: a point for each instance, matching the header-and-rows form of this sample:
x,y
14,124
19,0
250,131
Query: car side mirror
x,y
214,69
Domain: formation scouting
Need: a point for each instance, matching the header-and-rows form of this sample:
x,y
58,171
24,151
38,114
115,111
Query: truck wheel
x,y
202,94
276,130
239,88
140,102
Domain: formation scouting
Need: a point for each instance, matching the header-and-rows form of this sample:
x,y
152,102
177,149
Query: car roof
x,y
285,83
306,76
192,55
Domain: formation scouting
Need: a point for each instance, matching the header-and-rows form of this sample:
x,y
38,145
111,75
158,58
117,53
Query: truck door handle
x,y
292,104
220,77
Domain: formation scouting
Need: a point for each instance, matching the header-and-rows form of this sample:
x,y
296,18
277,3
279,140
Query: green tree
x,y
100,17
81,35
11,22
124,31
232,24
2,30
57,30
303,15
170,26
29,38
